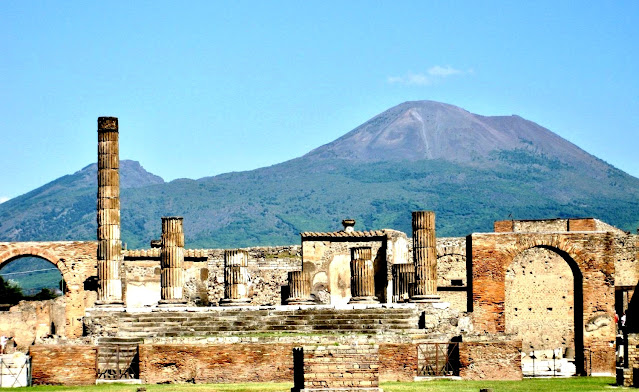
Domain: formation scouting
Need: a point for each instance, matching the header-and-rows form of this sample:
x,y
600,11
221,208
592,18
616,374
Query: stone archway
x,y
31,251
591,259
544,302
77,263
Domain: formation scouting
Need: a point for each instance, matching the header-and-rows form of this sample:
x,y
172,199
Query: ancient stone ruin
x,y
530,298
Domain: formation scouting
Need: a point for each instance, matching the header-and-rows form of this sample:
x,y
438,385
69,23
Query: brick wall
x,y
500,360
216,363
63,365
593,255
342,366
397,362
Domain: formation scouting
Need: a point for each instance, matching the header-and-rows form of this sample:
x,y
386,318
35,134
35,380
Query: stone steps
x,y
245,321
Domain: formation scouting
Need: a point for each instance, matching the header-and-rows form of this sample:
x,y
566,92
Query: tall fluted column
x,y
172,261
235,278
362,276
404,279
108,216
424,257
299,285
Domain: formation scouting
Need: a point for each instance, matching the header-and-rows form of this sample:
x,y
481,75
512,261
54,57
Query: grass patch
x,y
581,384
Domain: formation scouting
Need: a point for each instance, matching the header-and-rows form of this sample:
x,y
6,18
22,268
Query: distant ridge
x,y
470,169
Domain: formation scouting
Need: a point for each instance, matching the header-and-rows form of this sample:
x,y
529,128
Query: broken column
x,y
172,261
403,279
236,280
424,257
108,215
362,276
299,285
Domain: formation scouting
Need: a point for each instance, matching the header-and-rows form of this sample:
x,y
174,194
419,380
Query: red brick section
x,y
63,365
592,253
216,363
587,224
77,261
490,360
505,226
397,362
345,367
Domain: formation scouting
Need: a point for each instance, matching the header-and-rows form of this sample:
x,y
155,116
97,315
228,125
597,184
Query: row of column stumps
x,y
236,280
109,252
424,257
172,261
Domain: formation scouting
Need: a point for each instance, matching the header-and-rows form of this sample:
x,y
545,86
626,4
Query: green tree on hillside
x,y
10,293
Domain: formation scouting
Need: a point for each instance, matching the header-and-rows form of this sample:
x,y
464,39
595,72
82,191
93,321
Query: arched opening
x,y
35,277
544,306
36,308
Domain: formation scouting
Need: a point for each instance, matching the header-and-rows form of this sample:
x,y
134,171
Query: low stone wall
x,y
343,367
63,365
216,363
490,360
397,362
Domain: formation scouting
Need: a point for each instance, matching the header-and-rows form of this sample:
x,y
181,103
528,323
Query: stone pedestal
x,y
108,214
362,276
403,279
235,278
424,257
299,288
172,261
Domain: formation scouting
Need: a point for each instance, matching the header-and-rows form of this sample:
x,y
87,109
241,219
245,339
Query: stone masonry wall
x,y
343,367
63,365
490,360
540,297
30,321
216,363
593,254
77,262
397,361
204,275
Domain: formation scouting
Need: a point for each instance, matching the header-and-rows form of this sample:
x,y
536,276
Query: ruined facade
x,y
491,299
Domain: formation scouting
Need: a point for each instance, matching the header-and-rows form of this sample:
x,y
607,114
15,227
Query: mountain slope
x,y
470,169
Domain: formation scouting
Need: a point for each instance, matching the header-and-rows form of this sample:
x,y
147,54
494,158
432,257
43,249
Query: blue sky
x,y
203,88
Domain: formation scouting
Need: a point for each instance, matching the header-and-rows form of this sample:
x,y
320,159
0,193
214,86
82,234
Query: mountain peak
x,y
418,130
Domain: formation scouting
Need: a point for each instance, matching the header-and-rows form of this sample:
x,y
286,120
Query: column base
x,y
364,300
167,303
234,302
425,298
109,304
299,301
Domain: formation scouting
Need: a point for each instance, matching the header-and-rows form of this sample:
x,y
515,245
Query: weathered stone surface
x,y
490,360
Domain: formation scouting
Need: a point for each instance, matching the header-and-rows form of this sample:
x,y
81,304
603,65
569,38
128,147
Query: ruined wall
x,y
397,361
204,275
328,266
63,364
77,262
626,260
592,254
490,360
30,321
348,367
216,363
540,297
326,258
